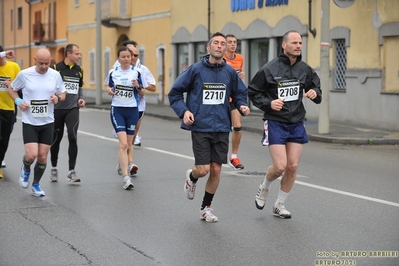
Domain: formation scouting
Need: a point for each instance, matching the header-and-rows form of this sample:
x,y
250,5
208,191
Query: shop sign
x,y
242,5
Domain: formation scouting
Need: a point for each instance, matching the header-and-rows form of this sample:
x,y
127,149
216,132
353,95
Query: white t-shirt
x,y
121,81
36,90
147,76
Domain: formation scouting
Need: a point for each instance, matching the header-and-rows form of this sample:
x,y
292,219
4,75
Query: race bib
x,y
4,87
288,89
71,84
39,108
124,93
213,93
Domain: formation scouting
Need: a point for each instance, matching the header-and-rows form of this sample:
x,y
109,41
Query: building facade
x,y
14,29
172,34
30,25
146,22
364,65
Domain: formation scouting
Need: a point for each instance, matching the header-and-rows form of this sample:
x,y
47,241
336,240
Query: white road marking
x,y
354,195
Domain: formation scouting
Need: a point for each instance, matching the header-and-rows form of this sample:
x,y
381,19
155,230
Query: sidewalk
x,y
339,133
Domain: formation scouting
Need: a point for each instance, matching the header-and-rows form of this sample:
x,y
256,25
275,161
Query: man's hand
x,y
10,54
245,109
81,103
277,104
54,99
311,94
241,74
188,118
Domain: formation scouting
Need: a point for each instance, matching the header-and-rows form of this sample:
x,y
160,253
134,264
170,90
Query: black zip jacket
x,y
263,88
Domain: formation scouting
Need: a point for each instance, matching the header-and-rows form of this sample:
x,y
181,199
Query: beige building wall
x,y
12,35
364,76
53,16
146,22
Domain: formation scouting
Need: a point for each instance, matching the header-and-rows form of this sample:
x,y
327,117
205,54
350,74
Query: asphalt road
x,y
345,206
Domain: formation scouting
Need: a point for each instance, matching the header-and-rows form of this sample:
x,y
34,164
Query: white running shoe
x,y
127,183
137,141
206,214
3,164
37,191
72,177
279,210
260,198
132,170
54,175
189,186
24,178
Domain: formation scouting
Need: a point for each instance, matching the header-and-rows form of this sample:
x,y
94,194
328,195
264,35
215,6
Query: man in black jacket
x,y
278,89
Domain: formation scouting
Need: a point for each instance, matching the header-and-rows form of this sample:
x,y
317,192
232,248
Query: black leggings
x,y
6,125
70,118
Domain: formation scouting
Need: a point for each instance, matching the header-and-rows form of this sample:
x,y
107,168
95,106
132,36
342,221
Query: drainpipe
x,y
313,31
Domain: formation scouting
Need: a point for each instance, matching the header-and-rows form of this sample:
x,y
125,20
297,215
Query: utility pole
x,y
99,82
324,114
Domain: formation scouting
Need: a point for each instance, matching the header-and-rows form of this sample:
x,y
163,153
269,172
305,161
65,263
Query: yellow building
x,y
31,25
14,29
364,63
146,22
172,34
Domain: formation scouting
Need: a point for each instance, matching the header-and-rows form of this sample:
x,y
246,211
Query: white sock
x,y
282,196
266,184
233,156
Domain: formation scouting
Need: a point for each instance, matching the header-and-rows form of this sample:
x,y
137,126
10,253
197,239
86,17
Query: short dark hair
x,y
231,35
1,49
125,43
69,48
285,36
215,35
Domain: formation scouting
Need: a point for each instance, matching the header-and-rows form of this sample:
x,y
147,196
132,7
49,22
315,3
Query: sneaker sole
x,y
24,187
281,216
130,186
210,221
232,166
258,206
133,171
74,181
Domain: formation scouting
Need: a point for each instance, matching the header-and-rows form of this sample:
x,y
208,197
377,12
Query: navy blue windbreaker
x,y
193,80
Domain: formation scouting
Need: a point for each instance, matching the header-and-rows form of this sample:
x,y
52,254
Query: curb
x,y
311,137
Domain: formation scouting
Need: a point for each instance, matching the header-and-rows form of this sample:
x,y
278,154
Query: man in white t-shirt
x,y
149,78
42,88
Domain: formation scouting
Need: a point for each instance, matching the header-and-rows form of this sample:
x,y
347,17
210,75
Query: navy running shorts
x,y
276,132
124,119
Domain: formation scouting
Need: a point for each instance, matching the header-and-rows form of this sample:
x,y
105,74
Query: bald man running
x,y
42,88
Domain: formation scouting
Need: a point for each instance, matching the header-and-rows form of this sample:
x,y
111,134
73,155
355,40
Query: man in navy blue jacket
x,y
206,113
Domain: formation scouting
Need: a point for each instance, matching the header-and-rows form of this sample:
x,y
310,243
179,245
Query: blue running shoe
x,y
24,178
37,191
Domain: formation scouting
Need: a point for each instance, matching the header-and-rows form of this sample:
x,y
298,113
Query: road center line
x,y
394,204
